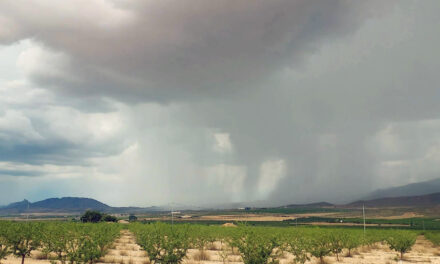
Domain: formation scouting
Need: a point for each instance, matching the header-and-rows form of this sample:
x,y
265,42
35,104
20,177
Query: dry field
x,y
245,217
125,251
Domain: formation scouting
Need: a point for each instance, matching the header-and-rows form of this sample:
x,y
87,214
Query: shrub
x,y
91,217
109,218
132,218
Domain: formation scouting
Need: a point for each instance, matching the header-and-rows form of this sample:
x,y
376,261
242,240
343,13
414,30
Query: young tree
x,y
23,238
224,254
163,243
320,246
353,241
5,249
61,239
337,242
298,246
256,247
401,241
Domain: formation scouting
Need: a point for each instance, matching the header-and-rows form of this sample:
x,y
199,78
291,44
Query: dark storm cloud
x,y
19,173
168,50
331,98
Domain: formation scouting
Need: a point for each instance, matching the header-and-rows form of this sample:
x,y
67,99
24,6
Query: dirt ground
x,y
126,251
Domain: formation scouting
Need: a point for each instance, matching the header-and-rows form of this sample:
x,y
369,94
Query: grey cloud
x,y
36,128
316,84
19,173
162,51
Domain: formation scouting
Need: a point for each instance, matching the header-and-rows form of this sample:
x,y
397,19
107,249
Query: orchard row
x,y
164,243
169,244
68,242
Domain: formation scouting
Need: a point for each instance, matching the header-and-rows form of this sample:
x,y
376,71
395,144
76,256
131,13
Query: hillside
x,y
65,204
69,205
428,200
413,189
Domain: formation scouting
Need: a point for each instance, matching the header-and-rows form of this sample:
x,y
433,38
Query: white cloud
x,y
222,143
38,62
16,127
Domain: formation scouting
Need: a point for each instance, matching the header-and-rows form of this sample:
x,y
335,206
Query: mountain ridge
x,y
421,194
68,205
412,189
426,200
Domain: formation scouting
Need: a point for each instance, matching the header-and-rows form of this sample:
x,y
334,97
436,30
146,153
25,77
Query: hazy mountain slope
x,y
413,189
22,205
427,200
310,205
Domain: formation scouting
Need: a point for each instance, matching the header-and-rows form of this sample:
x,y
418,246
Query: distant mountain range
x,y
420,201
65,203
427,200
68,205
413,189
422,194
310,205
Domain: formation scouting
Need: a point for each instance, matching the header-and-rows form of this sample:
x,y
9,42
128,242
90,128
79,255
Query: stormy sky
x,y
202,102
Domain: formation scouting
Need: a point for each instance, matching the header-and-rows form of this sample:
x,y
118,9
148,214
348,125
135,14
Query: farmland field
x,y
67,242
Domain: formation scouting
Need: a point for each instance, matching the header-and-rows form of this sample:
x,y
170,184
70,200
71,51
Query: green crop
x,y
23,238
69,242
162,242
256,247
298,245
434,237
78,243
5,249
320,246
351,242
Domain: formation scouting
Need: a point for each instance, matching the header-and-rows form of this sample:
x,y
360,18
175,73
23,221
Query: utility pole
x,y
363,213
172,215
